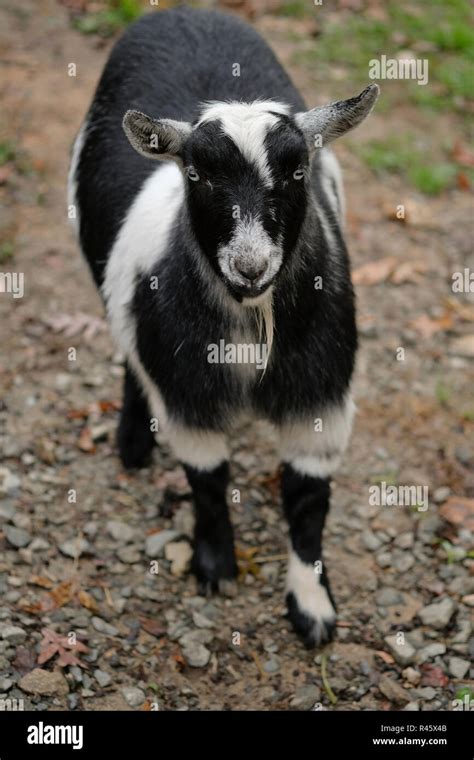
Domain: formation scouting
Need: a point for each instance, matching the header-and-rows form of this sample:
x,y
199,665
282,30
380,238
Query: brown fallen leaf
x,y
25,660
459,511
88,601
462,155
63,593
462,181
53,644
427,327
385,656
374,272
74,324
464,311
152,627
408,271
85,442
41,580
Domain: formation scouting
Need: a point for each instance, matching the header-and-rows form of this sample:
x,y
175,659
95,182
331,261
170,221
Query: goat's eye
x,y
192,174
299,173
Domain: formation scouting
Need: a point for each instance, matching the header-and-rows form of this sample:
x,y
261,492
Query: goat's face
x,y
246,169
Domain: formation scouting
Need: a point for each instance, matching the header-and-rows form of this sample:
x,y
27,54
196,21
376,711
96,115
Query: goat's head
x,y
246,168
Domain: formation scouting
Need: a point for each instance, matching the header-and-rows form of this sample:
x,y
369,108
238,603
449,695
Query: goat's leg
x,y
134,436
204,458
311,451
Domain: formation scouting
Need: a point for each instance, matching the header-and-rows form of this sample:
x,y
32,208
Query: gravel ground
x,y
97,608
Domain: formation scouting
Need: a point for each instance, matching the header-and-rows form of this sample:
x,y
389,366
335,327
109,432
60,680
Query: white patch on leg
x,y
201,449
313,599
316,452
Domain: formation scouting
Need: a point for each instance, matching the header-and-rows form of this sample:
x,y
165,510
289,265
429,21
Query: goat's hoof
x,y
215,568
135,443
314,628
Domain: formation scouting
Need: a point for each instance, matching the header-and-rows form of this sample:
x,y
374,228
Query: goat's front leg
x,y
311,452
204,458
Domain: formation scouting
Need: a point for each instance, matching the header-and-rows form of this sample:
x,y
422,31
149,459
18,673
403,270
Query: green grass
x,y
116,15
401,155
7,152
6,251
295,8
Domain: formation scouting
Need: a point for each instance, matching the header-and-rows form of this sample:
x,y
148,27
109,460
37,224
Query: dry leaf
x,y
464,311
88,601
462,155
41,580
428,327
385,656
408,271
459,511
152,627
63,593
74,324
433,675
374,272
53,644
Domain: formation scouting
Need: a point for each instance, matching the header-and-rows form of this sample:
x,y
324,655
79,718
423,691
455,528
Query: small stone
x,y
468,600
305,697
441,494
17,537
179,553
200,621
200,636
5,684
403,562
155,544
404,540
7,512
129,554
103,627
39,544
271,666
384,559
437,615
133,696
102,678
9,482
13,634
388,597
412,707
370,541
74,547
196,654
427,693
436,649
120,531
392,690
44,683
458,667
412,676
401,649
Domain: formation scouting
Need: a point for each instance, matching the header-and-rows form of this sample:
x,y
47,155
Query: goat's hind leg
x,y
135,438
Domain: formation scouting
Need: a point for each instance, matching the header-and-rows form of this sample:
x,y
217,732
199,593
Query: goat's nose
x,y
251,270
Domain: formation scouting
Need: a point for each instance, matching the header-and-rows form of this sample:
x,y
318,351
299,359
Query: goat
x,y
234,239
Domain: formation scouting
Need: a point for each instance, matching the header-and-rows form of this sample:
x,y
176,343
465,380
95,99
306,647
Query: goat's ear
x,y
156,138
322,125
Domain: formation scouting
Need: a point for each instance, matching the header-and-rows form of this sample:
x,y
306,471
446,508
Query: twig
x,y
258,664
326,684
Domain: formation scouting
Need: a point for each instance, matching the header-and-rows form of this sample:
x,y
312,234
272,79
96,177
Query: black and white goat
x,y
233,239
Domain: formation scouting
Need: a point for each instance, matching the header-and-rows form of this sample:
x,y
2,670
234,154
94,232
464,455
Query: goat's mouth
x,y
242,291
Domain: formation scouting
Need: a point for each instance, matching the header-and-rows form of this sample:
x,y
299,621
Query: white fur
x,y
312,597
142,240
203,450
313,452
247,124
72,179
330,169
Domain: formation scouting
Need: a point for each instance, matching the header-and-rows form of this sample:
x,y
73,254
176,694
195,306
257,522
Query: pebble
x,y
7,511
370,541
412,676
120,531
201,636
13,634
271,666
441,494
129,554
179,553
200,621
388,597
39,544
458,667
426,692
9,482
44,683
404,540
403,653
17,537
384,559
196,654
102,678
403,562
305,697
5,684
435,649
103,627
74,547
439,614
133,696
392,690
412,707
155,544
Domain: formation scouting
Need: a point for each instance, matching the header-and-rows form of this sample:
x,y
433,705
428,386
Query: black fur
x,y
134,436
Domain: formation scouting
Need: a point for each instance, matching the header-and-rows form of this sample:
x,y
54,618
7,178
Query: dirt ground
x,y
85,622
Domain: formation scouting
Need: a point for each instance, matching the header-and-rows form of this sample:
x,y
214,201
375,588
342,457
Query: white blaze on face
x,y
248,124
